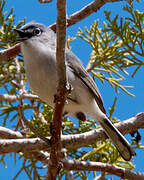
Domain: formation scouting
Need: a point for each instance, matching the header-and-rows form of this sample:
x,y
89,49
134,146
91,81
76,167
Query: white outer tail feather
x,y
118,139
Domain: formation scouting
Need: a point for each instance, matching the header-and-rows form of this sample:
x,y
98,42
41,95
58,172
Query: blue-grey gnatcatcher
x,y
38,46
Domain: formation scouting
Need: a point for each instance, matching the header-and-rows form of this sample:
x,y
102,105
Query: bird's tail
x,y
118,139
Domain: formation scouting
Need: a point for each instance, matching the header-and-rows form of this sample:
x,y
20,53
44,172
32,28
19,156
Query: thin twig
x,y
44,1
28,125
38,113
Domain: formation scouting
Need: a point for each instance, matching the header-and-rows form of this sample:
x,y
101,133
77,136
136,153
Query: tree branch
x,y
6,133
55,152
6,54
13,98
23,145
76,165
67,141
84,12
71,20
103,167
125,127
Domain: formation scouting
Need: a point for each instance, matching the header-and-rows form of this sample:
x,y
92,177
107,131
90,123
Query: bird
x,y
38,47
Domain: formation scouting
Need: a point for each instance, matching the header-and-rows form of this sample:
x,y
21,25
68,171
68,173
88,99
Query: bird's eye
x,y
37,31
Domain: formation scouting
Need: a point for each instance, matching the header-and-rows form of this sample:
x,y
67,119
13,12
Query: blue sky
x,y
46,14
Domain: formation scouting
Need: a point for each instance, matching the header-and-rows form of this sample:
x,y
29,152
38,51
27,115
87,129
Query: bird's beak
x,y
22,35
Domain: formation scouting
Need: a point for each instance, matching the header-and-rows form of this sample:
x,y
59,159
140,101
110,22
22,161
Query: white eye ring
x,y
37,31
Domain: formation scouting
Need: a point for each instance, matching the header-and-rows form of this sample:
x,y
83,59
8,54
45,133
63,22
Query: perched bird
x,y
38,46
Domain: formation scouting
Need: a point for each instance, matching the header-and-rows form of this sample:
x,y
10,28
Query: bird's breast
x,y
41,73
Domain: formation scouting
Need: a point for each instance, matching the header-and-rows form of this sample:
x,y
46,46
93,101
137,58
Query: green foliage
x,y
115,48
7,23
69,40
42,127
31,168
8,71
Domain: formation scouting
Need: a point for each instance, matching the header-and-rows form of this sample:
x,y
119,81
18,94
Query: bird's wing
x,y
76,66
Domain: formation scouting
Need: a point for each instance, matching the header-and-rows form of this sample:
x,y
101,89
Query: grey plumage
x,y
38,45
